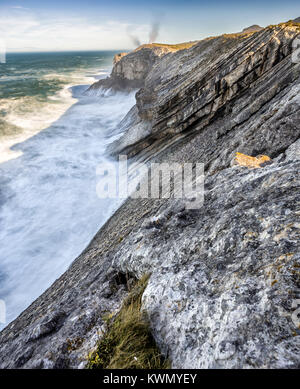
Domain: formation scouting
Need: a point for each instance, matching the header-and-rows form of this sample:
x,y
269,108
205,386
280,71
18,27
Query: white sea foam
x,y
31,116
49,210
100,92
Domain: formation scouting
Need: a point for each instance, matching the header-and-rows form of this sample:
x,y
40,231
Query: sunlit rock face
x,y
131,69
224,279
117,57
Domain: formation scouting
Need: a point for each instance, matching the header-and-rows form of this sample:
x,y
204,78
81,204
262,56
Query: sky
x,y
60,25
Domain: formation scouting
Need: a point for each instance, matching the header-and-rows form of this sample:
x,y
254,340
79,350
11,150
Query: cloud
x,y
22,31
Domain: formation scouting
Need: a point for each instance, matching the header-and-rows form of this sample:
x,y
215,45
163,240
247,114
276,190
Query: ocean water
x,y
35,90
53,135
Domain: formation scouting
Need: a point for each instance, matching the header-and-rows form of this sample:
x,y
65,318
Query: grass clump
x,y
127,342
171,47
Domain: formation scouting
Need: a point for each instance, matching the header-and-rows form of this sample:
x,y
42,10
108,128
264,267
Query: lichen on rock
x,y
251,162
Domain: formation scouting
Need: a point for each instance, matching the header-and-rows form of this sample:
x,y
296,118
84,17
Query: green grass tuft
x,y
128,342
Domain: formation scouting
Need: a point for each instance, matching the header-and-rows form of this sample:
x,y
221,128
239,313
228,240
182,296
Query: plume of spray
x,y
154,31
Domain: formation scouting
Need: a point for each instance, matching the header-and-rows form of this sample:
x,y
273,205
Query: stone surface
x,y
224,277
117,57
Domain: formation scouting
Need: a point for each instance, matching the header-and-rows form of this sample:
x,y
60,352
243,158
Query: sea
x,y
53,135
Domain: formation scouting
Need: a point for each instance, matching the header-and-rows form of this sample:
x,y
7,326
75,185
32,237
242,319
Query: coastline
x,y
56,163
30,116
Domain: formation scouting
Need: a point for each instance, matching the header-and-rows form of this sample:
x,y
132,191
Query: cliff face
x,y
130,69
222,83
225,277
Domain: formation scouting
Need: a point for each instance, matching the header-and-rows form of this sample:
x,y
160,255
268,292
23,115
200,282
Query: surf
x,y
49,208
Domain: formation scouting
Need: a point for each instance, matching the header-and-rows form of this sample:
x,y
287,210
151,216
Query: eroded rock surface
x,y
224,277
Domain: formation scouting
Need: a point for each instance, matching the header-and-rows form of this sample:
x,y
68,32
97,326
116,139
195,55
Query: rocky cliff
x,y
224,281
217,85
130,69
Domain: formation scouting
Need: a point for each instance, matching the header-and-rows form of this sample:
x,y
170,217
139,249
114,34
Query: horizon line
x,y
64,51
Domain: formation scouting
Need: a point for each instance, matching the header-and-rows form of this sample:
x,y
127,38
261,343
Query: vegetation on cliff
x,y
170,47
128,342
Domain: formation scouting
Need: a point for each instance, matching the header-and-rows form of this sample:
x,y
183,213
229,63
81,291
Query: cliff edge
x,y
131,69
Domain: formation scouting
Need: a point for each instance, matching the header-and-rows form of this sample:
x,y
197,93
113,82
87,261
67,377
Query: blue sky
x,y
31,25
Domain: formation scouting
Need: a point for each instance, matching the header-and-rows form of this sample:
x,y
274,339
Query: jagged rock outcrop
x,y
220,82
224,277
130,69
117,57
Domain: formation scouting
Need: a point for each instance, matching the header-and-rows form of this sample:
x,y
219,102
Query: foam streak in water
x,y
49,209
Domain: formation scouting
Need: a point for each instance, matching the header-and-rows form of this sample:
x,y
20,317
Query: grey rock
x,y
218,286
222,85
253,28
130,69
